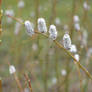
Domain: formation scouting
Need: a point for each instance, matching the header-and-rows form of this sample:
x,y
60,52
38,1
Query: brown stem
x,y
18,82
29,81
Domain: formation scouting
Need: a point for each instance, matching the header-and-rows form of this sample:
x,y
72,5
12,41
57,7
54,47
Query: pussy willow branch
x,y
61,46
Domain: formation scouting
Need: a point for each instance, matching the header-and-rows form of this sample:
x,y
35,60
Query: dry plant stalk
x,y
29,82
79,74
18,82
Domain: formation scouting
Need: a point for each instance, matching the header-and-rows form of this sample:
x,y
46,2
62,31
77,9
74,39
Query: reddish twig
x,y
29,81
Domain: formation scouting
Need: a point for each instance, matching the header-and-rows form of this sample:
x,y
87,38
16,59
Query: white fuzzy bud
x,y
21,4
42,25
67,41
77,26
63,72
73,48
10,13
53,32
77,57
76,19
29,28
12,69
86,6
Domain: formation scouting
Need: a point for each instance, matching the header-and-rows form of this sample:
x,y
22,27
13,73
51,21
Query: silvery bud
x,y
76,19
67,41
73,48
63,72
12,69
9,12
29,28
42,25
77,57
53,32
86,6
21,4
77,26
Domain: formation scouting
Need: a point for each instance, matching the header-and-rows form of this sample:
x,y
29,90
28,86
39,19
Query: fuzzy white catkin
x,y
67,41
53,32
63,72
29,28
77,57
9,12
73,48
12,69
42,25
21,4
86,6
76,19
77,26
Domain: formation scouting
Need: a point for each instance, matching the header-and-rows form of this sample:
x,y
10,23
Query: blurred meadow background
x,y
48,67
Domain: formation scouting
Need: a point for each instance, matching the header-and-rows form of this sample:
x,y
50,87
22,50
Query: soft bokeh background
x,y
39,56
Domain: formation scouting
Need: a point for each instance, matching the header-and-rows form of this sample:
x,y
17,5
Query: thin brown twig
x,y
29,82
79,74
15,19
18,82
